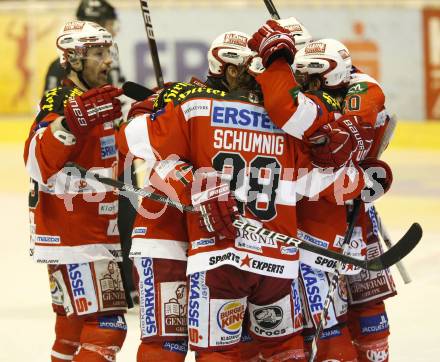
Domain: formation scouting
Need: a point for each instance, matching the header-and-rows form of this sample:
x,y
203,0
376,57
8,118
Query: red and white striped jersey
x,y
227,132
72,220
321,221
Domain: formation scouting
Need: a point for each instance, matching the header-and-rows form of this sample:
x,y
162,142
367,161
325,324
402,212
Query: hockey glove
x,y
272,41
174,178
255,66
218,213
336,143
142,107
217,216
218,208
379,178
96,106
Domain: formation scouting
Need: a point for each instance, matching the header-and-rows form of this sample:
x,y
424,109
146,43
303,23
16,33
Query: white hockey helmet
x,y
297,29
228,48
76,37
327,58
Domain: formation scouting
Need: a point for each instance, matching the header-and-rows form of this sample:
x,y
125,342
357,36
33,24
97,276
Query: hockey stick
x,y
386,138
402,248
387,240
152,42
272,10
357,203
136,91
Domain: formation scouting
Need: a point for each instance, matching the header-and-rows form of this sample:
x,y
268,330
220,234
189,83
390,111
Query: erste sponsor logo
x,y
242,116
298,318
329,333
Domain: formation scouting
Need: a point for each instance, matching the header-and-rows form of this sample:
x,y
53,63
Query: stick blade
x,y
401,249
136,91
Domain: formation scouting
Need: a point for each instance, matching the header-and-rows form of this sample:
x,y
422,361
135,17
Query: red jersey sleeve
x,y
296,113
44,153
336,186
157,136
365,99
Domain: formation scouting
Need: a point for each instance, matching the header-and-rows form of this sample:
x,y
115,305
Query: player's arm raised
x,y
64,121
288,107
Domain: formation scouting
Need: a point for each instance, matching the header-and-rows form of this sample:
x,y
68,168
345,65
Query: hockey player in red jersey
x,y
231,274
74,222
361,96
159,234
159,253
327,64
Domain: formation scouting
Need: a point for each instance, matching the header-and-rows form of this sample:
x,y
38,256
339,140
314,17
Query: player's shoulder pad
x,y
358,88
54,100
171,93
179,92
201,92
330,102
361,83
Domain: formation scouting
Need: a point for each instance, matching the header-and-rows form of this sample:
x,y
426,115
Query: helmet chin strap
x,y
219,83
83,81
80,75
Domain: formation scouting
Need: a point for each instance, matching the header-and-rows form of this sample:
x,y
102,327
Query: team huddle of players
x,y
284,134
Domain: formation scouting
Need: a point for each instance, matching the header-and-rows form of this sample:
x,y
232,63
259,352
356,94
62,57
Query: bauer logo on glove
x,y
209,194
96,106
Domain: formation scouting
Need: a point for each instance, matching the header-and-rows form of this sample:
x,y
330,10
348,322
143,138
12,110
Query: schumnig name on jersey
x,y
254,131
248,142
